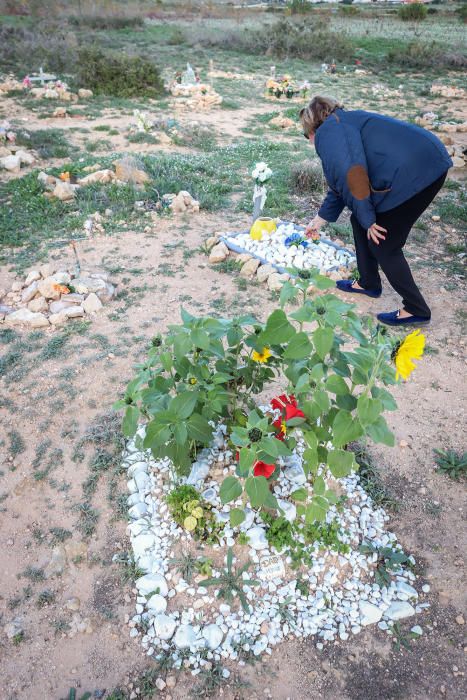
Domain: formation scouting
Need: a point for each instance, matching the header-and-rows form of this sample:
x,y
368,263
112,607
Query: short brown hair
x,y
314,114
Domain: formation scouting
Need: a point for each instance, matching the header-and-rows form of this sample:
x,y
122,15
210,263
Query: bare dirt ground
x,y
56,413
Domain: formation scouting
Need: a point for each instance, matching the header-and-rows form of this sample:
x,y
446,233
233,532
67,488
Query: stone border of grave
x,y
337,597
47,297
267,271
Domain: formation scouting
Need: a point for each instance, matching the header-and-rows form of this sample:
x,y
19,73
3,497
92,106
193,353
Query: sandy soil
x,y
62,398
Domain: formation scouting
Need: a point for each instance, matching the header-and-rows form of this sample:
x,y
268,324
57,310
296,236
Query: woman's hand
x,y
376,232
314,226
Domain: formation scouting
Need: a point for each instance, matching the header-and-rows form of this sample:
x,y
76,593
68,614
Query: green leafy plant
x,y
193,513
185,564
415,12
117,74
389,561
203,566
452,463
231,583
209,370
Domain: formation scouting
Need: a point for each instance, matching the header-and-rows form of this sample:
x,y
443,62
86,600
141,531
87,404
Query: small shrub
x,y
118,75
452,463
49,143
416,54
305,40
106,22
415,12
348,10
48,44
461,12
299,7
142,137
307,177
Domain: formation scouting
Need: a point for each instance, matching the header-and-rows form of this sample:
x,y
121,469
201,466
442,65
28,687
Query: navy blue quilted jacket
x,y
374,163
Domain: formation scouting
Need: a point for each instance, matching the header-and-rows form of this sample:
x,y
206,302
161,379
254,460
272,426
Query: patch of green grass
x,y
17,444
370,479
33,573
58,535
88,518
49,143
452,463
45,598
142,137
100,145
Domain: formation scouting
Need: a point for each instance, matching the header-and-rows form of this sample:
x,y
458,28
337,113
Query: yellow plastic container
x,y
262,225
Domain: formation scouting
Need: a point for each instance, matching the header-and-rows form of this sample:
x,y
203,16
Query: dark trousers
x,y
388,254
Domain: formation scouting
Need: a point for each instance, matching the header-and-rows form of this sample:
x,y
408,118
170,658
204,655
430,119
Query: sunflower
x,y
262,356
409,349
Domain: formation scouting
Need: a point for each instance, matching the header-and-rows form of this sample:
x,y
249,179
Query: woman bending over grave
x,y
387,173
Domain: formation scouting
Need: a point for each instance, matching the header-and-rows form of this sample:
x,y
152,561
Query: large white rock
x,y
64,191
152,583
290,510
264,272
219,253
370,614
38,305
11,163
33,276
257,538
142,543
164,626
28,318
49,288
406,589
213,636
199,472
185,637
25,157
92,303
157,604
295,474
86,285
400,609
29,293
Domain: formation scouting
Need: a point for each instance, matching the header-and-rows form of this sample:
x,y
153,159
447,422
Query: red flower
x,y
293,412
263,469
237,456
284,400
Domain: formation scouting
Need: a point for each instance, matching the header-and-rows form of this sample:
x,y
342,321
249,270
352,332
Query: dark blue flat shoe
x,y
392,319
346,286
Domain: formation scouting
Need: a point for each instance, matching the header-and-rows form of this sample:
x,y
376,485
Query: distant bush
x,y
307,177
105,22
461,12
416,54
415,12
306,40
348,10
117,74
286,38
49,44
299,7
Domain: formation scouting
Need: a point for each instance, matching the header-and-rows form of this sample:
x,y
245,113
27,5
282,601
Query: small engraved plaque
x,y
271,568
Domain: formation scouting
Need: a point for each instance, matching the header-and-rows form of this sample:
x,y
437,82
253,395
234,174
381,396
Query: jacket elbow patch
x,y
358,182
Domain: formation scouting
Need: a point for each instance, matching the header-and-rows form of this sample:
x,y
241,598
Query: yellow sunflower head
x,y
262,356
409,349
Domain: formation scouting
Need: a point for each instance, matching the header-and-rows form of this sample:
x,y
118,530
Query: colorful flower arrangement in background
x,y
143,123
